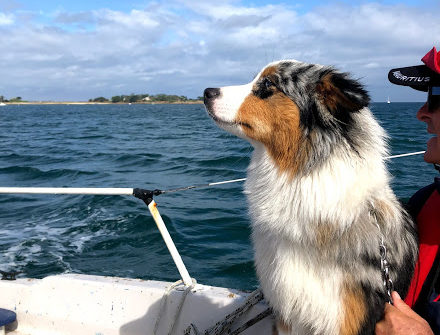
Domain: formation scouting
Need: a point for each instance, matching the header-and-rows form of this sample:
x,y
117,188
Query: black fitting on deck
x,y
9,275
146,195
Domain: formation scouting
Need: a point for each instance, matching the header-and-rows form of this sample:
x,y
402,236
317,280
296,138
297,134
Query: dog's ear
x,y
340,94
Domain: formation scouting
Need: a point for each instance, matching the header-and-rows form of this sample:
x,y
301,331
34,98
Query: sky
x,y
82,49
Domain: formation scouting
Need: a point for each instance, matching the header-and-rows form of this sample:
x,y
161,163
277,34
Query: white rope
x,y
227,182
405,155
224,326
164,300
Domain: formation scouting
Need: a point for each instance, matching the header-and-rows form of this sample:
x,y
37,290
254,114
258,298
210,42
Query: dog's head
x,y
298,111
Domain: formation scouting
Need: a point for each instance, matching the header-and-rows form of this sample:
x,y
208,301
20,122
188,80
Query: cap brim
x,y
418,77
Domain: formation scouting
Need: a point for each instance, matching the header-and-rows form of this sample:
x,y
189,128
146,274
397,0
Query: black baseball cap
x,y
419,77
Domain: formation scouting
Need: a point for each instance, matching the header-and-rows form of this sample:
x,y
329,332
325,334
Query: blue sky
x,y
76,50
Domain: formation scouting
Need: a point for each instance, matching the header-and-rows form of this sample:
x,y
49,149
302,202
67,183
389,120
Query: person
x,y
419,312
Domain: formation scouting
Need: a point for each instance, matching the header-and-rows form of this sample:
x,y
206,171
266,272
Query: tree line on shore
x,y
145,98
16,99
132,98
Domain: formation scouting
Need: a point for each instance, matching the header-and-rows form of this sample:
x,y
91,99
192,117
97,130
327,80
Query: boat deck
x,y
82,304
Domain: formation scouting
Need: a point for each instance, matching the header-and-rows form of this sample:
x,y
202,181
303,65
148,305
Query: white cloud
x,y
135,19
6,19
372,65
158,49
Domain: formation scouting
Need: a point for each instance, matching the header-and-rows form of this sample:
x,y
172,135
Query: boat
x,y
388,100
2,104
85,304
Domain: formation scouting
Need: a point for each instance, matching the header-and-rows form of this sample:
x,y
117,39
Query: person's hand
x,y
401,319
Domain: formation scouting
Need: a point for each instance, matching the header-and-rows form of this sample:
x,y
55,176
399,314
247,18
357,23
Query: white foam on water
x,y
53,238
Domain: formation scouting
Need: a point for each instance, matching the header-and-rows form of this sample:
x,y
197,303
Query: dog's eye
x,y
267,83
264,88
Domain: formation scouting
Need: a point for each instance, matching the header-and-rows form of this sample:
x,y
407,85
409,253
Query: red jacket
x,y
428,224
424,292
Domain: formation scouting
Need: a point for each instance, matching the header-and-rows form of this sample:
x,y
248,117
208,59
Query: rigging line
x,y
130,191
243,179
202,185
404,155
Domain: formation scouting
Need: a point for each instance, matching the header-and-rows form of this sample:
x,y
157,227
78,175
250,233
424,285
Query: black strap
x,y
436,266
437,183
415,204
429,286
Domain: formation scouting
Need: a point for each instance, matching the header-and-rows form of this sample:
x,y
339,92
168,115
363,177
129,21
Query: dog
x,y
319,197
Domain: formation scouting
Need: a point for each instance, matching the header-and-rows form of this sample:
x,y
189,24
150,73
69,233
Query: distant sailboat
x,y
388,100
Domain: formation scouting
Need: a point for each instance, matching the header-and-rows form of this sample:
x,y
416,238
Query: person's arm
x,y
401,319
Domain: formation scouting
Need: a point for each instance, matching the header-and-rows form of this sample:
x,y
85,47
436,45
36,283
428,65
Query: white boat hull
x,y
82,304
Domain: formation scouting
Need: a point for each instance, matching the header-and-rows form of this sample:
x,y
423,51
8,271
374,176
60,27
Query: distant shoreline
x,y
196,102
193,102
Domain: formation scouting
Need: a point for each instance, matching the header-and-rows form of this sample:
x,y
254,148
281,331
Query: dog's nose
x,y
210,93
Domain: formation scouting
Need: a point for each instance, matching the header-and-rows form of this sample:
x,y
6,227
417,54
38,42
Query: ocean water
x,y
147,146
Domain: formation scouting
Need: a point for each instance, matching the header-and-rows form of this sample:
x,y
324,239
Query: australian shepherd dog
x,y
319,197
